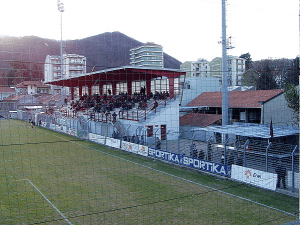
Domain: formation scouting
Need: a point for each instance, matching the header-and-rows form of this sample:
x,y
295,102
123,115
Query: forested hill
x,y
103,51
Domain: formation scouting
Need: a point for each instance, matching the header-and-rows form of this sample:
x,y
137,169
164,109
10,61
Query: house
x,y
258,107
32,87
6,92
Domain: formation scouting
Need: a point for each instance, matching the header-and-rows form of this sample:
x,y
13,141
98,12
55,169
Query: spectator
x,y
132,139
239,160
142,140
114,115
223,159
193,150
137,139
230,159
201,154
158,143
281,173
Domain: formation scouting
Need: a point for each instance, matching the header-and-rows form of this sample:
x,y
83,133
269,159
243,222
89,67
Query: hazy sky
x,y
187,30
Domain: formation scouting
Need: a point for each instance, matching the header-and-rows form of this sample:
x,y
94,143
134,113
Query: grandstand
x,y
142,100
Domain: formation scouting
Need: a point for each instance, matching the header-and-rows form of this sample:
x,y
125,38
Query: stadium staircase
x,y
142,114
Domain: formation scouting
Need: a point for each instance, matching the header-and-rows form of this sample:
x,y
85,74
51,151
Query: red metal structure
x,y
126,74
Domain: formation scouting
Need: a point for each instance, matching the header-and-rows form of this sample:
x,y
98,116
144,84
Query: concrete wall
x,y
279,112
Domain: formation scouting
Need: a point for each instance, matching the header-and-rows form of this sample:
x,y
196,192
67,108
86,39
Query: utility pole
x,y
224,68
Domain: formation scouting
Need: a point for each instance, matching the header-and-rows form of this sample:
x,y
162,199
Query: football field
x,y
51,178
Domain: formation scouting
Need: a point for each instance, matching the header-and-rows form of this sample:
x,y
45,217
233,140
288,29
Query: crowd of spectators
x,y
107,103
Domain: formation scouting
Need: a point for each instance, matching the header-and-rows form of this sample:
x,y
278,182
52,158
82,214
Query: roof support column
x,y
148,87
100,88
114,88
80,91
129,87
89,89
72,93
171,87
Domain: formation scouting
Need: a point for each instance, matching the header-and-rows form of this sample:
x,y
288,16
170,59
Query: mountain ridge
x,y
102,51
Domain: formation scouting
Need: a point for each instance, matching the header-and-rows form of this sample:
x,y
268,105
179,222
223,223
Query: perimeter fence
x,y
259,154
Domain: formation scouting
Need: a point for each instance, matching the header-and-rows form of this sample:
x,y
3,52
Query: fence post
x,y
245,146
293,167
267,157
225,151
208,146
167,140
178,145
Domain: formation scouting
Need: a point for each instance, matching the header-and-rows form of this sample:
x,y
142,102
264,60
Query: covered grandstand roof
x,y
121,74
253,130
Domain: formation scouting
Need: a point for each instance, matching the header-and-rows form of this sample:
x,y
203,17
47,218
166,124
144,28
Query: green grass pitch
x,y
51,178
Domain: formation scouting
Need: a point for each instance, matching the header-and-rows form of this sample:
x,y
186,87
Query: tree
x,y
266,80
292,97
292,75
250,78
248,58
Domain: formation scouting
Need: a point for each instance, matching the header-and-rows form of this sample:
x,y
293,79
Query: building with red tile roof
x,y
6,92
247,106
32,87
236,99
201,120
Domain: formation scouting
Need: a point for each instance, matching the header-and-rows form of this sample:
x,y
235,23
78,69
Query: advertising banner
x,y
100,139
208,166
64,129
130,147
52,126
143,150
58,128
134,148
92,137
254,177
113,142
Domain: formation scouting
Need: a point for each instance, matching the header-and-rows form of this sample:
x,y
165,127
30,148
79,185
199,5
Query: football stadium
x,y
110,130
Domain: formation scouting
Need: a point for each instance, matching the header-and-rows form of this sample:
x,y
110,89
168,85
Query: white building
x,y
236,68
32,87
199,68
74,65
148,55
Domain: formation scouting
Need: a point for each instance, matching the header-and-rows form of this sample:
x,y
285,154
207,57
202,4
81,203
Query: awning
x,y
253,130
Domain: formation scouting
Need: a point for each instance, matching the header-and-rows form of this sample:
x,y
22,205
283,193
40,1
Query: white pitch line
x,y
57,210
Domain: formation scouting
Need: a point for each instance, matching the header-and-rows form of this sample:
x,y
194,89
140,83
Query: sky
x,y
187,30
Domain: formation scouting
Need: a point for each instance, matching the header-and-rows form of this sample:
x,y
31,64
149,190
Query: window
x,y
150,131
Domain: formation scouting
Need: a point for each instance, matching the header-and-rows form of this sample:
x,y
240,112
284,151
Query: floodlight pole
x,y
224,69
61,9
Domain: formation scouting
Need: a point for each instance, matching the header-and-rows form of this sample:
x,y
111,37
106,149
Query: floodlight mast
x,y
61,9
224,68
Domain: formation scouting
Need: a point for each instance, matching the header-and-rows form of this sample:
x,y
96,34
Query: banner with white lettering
x,y
64,129
130,147
143,150
113,142
100,139
52,126
208,166
254,177
92,137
